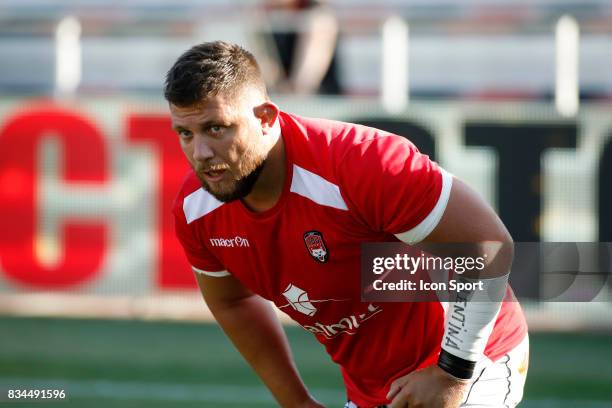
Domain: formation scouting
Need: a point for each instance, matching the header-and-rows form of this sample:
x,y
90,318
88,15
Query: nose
x,y
201,150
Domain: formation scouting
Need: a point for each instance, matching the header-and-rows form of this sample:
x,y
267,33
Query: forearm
x,y
255,331
471,314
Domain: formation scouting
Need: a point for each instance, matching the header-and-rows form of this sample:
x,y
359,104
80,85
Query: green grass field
x,y
156,364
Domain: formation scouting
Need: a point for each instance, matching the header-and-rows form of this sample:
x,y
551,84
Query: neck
x,y
269,186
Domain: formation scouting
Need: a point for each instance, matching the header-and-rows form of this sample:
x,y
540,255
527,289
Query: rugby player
x,y
275,209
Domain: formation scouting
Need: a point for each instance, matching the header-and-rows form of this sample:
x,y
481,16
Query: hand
x,y
430,387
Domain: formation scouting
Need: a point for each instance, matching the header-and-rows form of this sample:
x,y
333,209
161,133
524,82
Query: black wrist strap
x,y
456,366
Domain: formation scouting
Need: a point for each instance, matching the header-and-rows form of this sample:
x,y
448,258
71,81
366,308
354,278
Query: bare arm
x,y
469,219
466,219
252,326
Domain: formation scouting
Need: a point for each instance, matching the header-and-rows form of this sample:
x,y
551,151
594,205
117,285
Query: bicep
x,y
221,291
467,218
470,222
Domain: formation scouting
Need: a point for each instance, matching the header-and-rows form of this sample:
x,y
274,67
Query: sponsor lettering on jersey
x,y
230,242
298,299
316,246
347,325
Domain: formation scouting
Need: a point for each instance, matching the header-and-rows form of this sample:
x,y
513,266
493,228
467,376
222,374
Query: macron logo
x,y
229,242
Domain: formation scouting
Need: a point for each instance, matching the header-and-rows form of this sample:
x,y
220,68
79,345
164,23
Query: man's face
x,y
223,140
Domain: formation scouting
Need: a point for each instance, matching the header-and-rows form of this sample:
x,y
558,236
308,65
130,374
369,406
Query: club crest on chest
x,y
316,246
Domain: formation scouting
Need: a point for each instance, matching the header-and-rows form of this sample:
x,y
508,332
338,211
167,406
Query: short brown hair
x,y
211,68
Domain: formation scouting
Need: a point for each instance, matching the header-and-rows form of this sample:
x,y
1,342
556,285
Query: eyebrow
x,y
202,125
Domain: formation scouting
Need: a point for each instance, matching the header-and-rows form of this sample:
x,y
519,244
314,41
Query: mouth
x,y
213,176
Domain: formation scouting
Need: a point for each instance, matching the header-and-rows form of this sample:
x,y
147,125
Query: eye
x,y
216,130
184,134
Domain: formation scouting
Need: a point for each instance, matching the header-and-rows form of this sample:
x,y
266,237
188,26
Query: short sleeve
x,y
393,187
200,258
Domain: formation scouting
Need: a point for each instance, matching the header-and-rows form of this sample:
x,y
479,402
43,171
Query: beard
x,y
244,176
242,187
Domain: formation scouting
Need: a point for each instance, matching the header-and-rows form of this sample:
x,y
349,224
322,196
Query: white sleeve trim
x,y
218,274
430,222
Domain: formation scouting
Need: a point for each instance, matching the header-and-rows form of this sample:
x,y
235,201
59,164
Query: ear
x,y
267,113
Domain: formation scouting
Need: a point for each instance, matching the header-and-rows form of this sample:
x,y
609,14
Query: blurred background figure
x,y
302,40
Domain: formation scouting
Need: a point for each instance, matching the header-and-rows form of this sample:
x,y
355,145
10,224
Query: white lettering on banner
x,y
230,242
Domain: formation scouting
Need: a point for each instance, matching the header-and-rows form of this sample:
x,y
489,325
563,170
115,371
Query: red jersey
x,y
345,184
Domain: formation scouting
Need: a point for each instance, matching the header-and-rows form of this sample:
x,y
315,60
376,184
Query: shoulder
x,y
330,132
325,144
192,201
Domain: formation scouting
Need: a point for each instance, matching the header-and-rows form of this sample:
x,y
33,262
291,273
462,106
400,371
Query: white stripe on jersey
x,y
218,274
198,204
316,188
422,230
